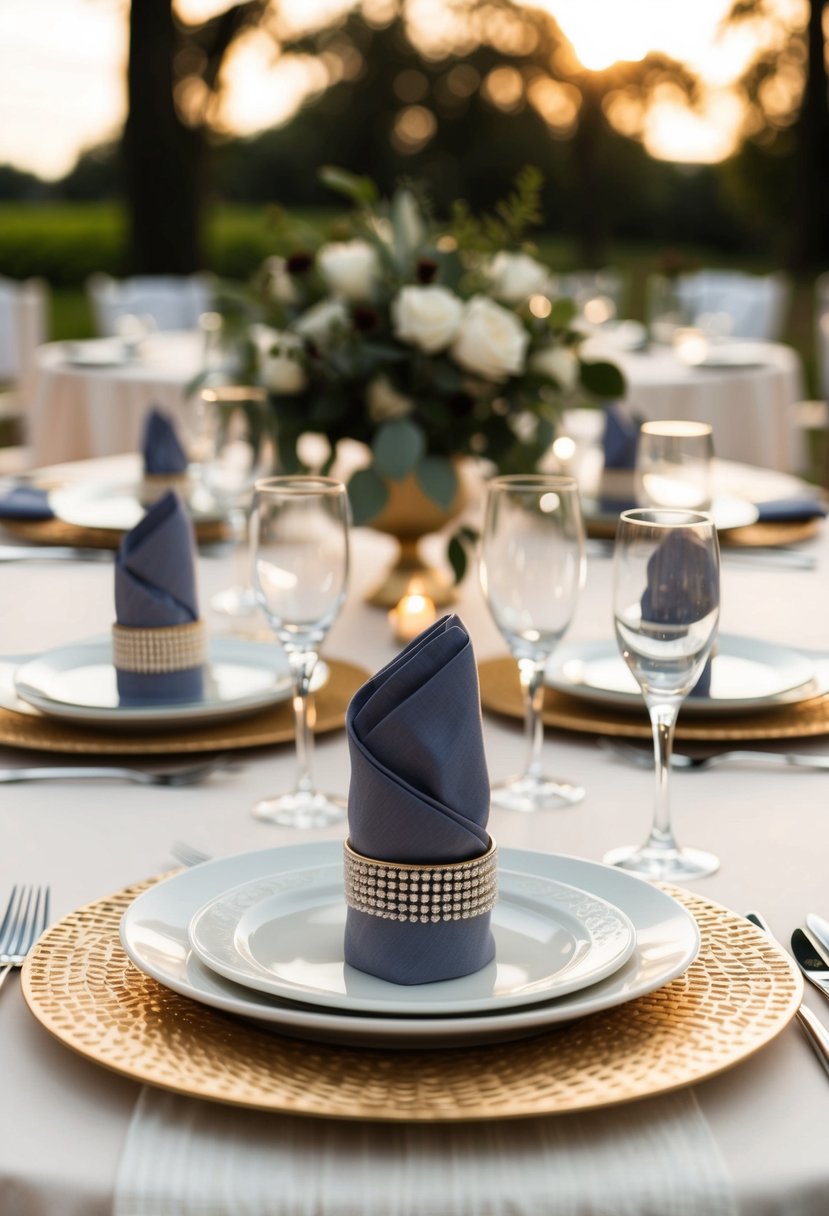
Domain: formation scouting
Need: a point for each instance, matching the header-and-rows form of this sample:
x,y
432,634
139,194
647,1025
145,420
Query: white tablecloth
x,y
78,412
750,408
65,1120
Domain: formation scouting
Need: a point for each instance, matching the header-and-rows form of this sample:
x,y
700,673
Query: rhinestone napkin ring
x,y
156,651
421,894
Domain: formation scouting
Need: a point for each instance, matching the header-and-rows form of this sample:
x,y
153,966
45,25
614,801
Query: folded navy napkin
x,y
161,447
155,587
26,503
621,435
683,587
790,510
419,793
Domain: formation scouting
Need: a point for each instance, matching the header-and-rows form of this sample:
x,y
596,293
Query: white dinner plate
x,y
727,510
154,935
96,354
284,935
746,674
115,506
78,683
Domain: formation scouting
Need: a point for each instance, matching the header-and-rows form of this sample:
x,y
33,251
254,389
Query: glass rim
x,y
678,517
676,428
298,485
533,481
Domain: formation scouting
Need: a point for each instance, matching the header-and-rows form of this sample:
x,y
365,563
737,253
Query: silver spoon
x,y
644,759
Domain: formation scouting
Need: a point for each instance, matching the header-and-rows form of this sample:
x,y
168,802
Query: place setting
x,y
363,978
161,683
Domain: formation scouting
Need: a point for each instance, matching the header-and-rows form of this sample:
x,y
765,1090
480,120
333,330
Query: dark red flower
x,y
366,320
427,270
300,262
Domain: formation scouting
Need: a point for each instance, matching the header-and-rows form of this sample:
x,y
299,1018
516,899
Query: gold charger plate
x,y
753,536
273,725
501,693
740,993
56,532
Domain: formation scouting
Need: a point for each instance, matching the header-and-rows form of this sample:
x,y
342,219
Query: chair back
x,y
171,301
24,325
751,306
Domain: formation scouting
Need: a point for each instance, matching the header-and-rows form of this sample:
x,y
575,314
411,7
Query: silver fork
x,y
180,776
25,918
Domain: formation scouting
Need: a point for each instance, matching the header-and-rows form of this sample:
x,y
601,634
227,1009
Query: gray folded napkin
x,y
155,587
683,587
419,794
163,454
26,503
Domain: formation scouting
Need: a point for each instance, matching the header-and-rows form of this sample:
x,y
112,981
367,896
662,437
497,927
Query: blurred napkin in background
x,y
621,435
683,587
155,588
419,794
26,502
161,447
790,510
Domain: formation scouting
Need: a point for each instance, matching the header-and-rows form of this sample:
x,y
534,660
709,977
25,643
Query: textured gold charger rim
x,y
501,693
58,532
263,728
351,1083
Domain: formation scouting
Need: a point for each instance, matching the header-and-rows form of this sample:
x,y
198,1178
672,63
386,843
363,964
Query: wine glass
x,y
299,543
666,602
673,465
236,447
532,568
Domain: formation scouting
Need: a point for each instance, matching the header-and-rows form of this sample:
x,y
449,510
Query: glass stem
x,y
531,675
302,663
663,721
238,520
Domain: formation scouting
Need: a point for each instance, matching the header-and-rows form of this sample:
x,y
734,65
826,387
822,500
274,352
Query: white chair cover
x,y
23,327
172,301
755,304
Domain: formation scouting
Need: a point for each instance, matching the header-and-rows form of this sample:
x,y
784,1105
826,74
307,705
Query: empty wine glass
x,y
236,447
666,598
532,568
299,542
673,465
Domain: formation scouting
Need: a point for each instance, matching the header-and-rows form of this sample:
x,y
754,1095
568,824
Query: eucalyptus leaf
x,y
603,379
562,313
360,189
368,494
438,480
456,553
397,447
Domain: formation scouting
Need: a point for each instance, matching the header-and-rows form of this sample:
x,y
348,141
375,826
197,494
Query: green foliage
x,y
603,380
505,227
437,479
368,494
397,447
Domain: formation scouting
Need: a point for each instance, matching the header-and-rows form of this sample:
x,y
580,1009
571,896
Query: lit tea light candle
x,y
414,613
690,346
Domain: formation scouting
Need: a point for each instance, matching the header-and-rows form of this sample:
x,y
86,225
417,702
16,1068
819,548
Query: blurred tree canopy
x,y
463,115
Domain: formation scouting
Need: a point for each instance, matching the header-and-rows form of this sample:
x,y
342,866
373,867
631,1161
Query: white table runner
x,y
185,1157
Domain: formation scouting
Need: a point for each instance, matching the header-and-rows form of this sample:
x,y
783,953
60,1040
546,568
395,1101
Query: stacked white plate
x,y
747,675
260,935
78,684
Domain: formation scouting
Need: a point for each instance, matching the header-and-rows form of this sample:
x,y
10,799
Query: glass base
x,y
530,794
302,809
235,601
668,865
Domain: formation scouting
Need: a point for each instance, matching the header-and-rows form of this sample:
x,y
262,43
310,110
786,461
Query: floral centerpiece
x,y
427,342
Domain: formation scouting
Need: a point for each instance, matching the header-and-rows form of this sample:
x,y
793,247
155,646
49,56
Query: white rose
x,y
280,285
350,268
384,402
280,369
559,363
321,322
428,317
491,341
515,276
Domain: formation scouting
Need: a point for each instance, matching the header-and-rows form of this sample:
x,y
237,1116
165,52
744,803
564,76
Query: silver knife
x,y
810,1023
819,929
48,553
810,961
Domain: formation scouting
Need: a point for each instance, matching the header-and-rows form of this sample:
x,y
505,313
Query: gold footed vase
x,y
408,516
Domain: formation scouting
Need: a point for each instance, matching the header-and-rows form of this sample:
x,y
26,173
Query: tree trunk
x,y
164,158
810,231
590,211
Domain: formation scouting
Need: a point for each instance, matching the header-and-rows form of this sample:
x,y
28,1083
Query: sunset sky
x,y
62,67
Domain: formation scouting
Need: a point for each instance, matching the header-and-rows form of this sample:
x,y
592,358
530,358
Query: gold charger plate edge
x,y
501,693
751,536
260,729
737,996
58,532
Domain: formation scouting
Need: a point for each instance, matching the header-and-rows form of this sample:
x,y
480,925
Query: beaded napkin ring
x,y
458,890
156,651
156,485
